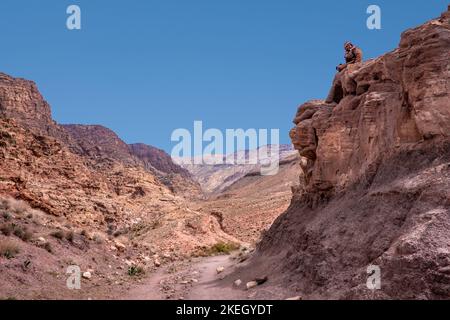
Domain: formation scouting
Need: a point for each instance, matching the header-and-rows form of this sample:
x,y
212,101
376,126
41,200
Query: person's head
x,y
348,46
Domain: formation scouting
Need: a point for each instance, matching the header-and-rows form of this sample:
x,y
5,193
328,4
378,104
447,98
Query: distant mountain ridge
x,y
215,178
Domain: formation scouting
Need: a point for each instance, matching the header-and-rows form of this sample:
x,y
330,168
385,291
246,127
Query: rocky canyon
x,y
366,183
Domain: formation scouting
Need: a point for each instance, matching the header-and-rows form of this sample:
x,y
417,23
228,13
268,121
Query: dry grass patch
x,y
9,249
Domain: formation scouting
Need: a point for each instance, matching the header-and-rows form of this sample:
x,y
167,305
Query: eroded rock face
x,y
157,158
389,103
99,142
377,171
21,100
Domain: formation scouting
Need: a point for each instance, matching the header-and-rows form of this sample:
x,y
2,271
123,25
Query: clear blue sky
x,y
146,67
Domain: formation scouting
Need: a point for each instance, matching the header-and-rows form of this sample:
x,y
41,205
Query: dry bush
x,y
220,248
47,246
6,229
135,271
6,215
99,239
17,206
9,249
70,235
23,233
14,205
58,234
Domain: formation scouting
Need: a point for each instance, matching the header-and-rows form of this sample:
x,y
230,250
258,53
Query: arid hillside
x,y
86,186
248,207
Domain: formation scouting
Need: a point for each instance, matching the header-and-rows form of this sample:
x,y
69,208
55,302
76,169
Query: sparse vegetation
x,y
70,236
219,248
58,234
18,206
47,246
9,249
135,271
10,205
98,238
6,215
23,233
6,229
61,235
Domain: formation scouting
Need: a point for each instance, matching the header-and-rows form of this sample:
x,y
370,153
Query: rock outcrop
x,y
99,142
377,178
156,158
387,104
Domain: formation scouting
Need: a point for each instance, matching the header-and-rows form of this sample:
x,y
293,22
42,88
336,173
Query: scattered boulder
x,y
220,270
87,275
294,298
251,285
119,246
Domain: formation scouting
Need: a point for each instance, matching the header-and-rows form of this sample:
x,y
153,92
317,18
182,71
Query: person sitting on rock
x,y
353,55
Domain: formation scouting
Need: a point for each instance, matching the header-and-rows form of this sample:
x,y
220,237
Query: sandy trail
x,y
194,280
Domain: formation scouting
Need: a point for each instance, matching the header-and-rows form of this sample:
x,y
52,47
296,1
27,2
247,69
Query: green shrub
x,y
220,248
135,271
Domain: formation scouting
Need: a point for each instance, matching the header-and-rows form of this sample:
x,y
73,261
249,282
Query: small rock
x,y
120,246
445,270
261,280
251,284
130,263
294,298
87,275
41,240
194,280
220,269
238,282
157,263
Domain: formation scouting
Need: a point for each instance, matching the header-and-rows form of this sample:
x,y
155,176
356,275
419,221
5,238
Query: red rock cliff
x,y
377,170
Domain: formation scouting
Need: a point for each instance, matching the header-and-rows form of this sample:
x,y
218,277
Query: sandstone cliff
x,y
377,181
